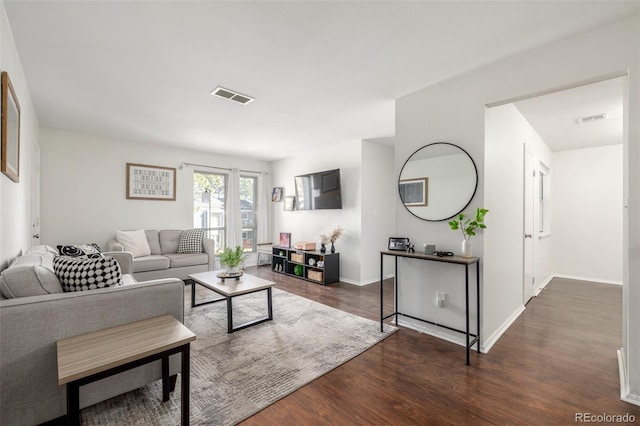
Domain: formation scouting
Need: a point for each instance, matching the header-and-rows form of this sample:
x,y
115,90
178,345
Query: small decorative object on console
x,y
398,243
468,227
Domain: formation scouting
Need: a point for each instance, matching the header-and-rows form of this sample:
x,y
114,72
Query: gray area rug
x,y
233,376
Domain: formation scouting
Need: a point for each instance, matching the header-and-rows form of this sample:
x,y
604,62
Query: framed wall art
x,y
10,129
276,194
289,203
414,192
146,182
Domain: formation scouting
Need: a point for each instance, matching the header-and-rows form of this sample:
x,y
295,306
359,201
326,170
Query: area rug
x,y
233,376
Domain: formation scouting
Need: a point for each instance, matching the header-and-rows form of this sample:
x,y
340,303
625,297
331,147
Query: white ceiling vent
x,y
591,118
231,95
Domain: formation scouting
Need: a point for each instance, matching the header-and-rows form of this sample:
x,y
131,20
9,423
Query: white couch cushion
x,y
134,242
29,276
153,238
169,240
153,262
180,260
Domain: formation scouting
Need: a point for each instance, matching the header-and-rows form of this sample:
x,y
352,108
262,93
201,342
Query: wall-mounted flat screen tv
x,y
321,190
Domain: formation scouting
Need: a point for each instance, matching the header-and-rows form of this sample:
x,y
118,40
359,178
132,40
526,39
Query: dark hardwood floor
x,y
556,361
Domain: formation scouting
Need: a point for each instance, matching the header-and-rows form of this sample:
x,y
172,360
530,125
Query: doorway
x,y
583,130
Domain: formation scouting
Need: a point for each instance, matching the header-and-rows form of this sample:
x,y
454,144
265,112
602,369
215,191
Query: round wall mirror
x,y
438,181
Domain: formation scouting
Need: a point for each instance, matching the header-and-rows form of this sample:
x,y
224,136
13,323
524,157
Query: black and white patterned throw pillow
x,y
86,273
91,250
191,241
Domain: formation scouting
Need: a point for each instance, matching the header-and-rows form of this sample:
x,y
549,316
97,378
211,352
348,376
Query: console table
x,y
471,338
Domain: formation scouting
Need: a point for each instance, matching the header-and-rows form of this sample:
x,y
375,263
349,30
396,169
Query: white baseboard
x,y
544,284
345,280
435,331
595,280
488,343
622,370
625,394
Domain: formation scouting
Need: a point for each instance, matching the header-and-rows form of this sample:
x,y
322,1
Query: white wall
x,y
587,213
16,204
379,185
84,186
507,132
307,225
454,111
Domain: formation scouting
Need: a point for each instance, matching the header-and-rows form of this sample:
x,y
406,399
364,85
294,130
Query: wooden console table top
x,y
447,259
87,354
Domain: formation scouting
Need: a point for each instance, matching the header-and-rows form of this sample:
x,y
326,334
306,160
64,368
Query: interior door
x,y
528,277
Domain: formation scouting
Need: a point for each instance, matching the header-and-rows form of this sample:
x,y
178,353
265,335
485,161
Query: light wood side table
x,y
89,357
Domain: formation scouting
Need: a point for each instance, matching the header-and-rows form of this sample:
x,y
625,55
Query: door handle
x,y
36,235
527,235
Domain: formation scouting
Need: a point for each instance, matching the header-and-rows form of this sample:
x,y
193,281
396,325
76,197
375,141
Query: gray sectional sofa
x,y
30,325
164,260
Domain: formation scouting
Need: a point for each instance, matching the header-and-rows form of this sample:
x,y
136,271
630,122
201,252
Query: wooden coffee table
x,y
230,288
93,356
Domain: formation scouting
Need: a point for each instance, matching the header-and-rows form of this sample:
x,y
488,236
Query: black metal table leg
x,y
381,292
466,300
185,384
73,403
165,379
229,316
478,304
396,287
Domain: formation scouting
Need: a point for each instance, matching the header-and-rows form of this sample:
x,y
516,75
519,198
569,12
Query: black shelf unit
x,y
285,260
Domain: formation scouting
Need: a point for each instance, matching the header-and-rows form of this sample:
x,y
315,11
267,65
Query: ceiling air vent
x,y
591,118
231,95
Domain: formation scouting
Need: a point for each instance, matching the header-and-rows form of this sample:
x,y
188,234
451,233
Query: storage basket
x,y
314,275
297,257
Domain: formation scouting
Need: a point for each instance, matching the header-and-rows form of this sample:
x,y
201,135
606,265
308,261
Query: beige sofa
x,y
31,325
164,261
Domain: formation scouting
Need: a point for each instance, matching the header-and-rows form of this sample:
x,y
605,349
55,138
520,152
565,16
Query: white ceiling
x,y
321,72
554,116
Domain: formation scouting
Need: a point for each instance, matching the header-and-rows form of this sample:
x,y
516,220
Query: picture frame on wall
x,y
145,182
414,192
10,130
285,239
276,194
289,203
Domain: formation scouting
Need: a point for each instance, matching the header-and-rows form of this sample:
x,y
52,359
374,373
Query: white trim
x,y
345,280
487,344
625,395
595,280
543,285
622,370
435,331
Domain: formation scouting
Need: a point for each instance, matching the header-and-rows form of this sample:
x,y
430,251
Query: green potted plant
x,y
468,227
231,258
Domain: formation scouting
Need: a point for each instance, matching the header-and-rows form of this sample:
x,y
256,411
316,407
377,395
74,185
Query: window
x,y
248,190
209,207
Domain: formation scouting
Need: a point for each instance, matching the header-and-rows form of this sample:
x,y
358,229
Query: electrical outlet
x,y
441,298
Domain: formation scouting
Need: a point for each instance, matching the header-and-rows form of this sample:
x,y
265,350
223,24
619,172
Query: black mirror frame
x,y
475,168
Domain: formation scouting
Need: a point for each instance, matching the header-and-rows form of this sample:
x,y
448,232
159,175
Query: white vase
x,y
466,248
230,270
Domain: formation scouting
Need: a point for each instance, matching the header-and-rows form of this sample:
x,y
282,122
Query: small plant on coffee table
x,y
231,258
